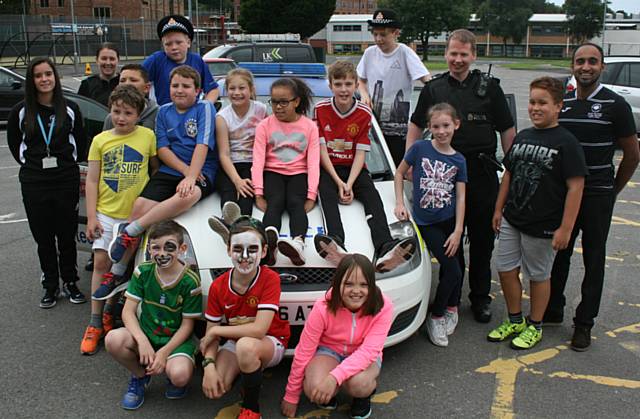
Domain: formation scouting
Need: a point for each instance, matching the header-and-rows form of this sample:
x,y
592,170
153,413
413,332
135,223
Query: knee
x,y
114,341
310,383
359,385
138,209
247,351
180,373
101,262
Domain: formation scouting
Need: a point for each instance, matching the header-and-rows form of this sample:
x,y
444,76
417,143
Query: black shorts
x,y
162,186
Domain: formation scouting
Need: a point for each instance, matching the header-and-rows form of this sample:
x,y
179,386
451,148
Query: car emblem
x,y
288,278
596,107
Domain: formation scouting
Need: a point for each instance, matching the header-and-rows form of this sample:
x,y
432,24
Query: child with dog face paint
x,y
248,296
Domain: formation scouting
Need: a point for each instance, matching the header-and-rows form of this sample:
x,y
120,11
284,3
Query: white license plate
x,y
295,313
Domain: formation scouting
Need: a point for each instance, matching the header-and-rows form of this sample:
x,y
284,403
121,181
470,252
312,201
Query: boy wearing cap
x,y
386,73
176,33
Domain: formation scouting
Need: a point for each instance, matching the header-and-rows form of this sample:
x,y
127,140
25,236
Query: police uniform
x,y
483,110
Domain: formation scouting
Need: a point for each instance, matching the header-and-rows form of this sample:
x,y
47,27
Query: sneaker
x,y
134,397
329,248
49,298
527,339
70,290
172,392
581,339
361,407
89,265
108,322
505,330
218,225
121,242
110,286
248,414
396,254
90,340
450,321
437,331
332,405
552,318
293,249
230,212
272,245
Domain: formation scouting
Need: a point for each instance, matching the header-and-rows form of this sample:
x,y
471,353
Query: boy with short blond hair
x,y
386,74
119,161
344,124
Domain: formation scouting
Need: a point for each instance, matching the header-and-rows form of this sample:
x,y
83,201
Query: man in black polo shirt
x,y
99,86
483,110
601,120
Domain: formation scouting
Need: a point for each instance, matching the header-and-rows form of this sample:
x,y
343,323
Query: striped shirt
x,y
598,122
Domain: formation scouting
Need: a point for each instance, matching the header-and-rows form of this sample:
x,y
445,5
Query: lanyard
x,y
47,138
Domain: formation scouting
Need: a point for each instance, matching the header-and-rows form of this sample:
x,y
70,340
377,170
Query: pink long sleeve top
x,y
359,338
288,148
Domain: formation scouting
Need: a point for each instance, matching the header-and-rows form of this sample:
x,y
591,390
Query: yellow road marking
x,y
579,250
632,184
623,221
632,328
622,303
633,347
624,201
385,397
598,379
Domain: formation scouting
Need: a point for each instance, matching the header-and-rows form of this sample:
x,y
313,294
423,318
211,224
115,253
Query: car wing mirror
x,y
17,84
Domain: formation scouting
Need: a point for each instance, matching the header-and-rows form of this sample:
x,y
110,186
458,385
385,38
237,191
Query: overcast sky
x,y
629,6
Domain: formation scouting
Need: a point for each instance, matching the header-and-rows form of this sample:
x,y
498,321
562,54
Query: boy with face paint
x,y
160,340
248,296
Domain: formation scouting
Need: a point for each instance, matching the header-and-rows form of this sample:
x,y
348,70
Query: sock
x,y
537,325
134,229
515,317
96,320
108,308
452,309
119,268
251,383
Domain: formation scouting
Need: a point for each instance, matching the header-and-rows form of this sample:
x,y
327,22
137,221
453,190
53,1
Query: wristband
x,y
208,361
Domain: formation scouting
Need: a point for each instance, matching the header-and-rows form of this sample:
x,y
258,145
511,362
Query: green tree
x,y
305,17
504,19
584,19
13,7
424,18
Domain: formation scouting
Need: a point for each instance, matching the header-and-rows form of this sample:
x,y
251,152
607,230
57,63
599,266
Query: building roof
x,y
548,17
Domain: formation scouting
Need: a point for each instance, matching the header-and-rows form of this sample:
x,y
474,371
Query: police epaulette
x,y
438,76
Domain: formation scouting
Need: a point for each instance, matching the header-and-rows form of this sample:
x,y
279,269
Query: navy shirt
x,y
159,67
434,182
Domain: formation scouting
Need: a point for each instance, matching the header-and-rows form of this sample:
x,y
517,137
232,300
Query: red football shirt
x,y
262,294
343,134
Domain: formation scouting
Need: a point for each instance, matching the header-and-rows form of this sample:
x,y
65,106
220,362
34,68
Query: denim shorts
x,y
323,350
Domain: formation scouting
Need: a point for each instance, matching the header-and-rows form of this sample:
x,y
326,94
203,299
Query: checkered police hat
x,y
175,23
385,18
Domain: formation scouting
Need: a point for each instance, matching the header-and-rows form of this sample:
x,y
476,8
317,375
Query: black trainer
x,y
89,266
552,318
332,405
70,290
49,298
481,312
361,407
581,339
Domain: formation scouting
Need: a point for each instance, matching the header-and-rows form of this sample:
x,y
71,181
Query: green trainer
x,y
527,339
505,330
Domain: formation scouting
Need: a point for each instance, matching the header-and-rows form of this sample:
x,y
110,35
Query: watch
x,y
208,361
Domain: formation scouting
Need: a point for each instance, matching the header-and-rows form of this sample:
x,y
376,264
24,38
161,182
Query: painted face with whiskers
x,y
164,251
245,250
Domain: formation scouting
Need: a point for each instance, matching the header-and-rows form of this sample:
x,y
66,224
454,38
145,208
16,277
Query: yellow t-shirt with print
x,y
124,168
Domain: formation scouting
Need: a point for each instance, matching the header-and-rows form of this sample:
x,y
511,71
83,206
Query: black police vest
x,y
473,104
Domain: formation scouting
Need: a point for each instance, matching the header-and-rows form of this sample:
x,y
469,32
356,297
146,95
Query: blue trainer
x,y
134,397
173,392
120,242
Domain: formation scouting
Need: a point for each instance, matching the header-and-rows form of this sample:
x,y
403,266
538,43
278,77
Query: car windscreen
x,y
217,52
221,68
375,160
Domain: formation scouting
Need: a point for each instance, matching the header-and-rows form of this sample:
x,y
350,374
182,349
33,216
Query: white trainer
x,y
437,331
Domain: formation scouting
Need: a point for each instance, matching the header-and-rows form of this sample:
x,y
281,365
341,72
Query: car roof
x,y
621,59
217,60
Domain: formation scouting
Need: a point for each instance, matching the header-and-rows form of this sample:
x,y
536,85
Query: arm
x,y
398,186
453,241
356,168
170,159
130,319
503,192
79,134
259,157
363,88
14,134
182,334
213,95
313,164
561,236
243,186
212,382
506,139
94,228
419,118
188,184
629,163
256,329
325,162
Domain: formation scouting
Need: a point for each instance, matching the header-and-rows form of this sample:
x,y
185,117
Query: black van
x,y
265,52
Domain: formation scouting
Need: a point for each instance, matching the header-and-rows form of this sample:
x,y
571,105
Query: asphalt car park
x,y
44,375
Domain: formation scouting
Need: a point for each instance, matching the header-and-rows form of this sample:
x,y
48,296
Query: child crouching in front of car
x,y
160,340
248,298
342,340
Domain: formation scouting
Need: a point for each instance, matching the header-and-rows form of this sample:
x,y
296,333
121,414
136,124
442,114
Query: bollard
x,y
87,70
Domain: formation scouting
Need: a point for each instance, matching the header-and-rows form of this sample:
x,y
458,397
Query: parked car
x,y
219,67
622,75
408,286
266,52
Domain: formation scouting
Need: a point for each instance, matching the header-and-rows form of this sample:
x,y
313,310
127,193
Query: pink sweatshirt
x,y
288,148
359,338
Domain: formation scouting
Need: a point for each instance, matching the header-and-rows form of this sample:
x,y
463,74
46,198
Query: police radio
x,y
483,85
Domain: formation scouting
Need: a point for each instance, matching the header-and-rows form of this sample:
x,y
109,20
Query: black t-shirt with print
x,y
540,161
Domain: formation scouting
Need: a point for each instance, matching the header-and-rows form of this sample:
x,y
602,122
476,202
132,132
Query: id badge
x,y
49,163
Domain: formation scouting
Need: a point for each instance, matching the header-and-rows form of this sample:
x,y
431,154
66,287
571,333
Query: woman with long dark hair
x,y
46,137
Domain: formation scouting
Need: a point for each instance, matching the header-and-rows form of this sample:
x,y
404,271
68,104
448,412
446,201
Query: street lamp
x,y
144,40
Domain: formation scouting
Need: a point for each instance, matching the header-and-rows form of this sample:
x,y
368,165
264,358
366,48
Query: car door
x,y
11,92
627,85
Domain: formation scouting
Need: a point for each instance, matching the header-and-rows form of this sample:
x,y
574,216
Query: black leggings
x,y
450,283
53,220
286,192
228,191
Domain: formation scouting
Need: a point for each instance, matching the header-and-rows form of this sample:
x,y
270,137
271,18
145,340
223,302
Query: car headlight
x,y
402,230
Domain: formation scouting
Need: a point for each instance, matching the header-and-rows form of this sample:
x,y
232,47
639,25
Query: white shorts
x,y
278,350
102,243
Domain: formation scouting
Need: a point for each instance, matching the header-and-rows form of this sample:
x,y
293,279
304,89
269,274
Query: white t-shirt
x,y
242,131
390,81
